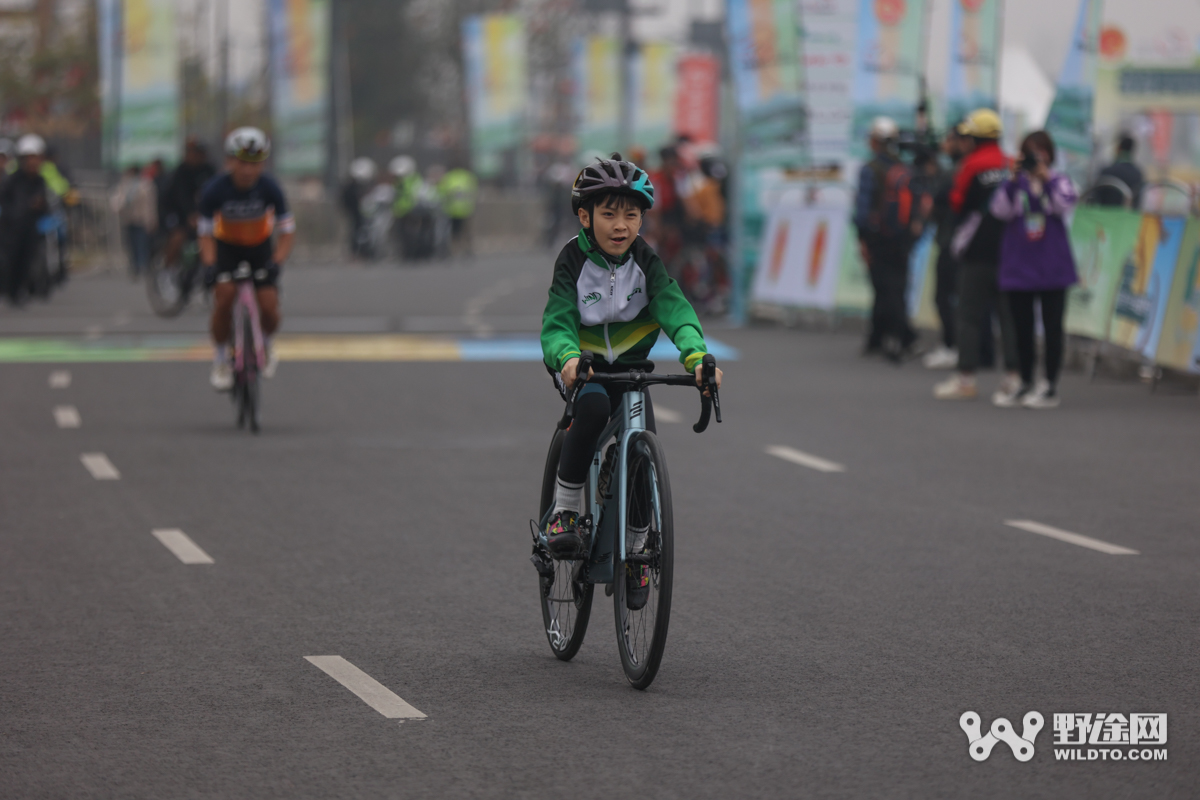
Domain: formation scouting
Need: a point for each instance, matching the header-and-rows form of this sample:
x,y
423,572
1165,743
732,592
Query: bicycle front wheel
x,y
251,376
566,602
642,582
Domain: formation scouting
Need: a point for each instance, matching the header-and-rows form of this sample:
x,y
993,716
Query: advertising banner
x,y
654,94
1102,240
765,61
829,38
496,78
597,62
148,115
889,65
698,98
1145,284
922,264
1179,343
300,88
972,82
1070,118
799,257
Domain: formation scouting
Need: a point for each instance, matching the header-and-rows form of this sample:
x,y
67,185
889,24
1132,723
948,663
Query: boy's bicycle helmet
x,y
612,175
248,144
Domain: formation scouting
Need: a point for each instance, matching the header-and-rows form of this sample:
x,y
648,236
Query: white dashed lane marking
x,y
804,459
60,379
369,690
101,468
667,415
182,546
66,417
1070,538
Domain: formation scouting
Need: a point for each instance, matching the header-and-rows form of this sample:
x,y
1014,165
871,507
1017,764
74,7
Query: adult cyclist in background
x,y
239,211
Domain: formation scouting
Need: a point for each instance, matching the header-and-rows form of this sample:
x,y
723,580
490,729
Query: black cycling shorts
x,y
260,258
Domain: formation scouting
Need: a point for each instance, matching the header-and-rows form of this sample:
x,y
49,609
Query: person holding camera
x,y
1036,262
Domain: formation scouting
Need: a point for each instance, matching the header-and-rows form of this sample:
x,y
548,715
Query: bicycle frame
x,y
606,542
247,303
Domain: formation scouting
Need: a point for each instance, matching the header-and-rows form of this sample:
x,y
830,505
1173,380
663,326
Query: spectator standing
x,y
883,216
945,356
458,191
354,190
136,203
976,243
1036,263
1121,174
23,200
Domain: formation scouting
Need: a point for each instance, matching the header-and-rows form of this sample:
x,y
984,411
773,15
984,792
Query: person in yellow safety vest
x,y
457,191
408,185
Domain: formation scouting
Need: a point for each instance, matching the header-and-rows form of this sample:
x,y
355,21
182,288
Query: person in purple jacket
x,y
1036,263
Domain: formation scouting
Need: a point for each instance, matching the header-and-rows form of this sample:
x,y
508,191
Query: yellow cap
x,y
982,123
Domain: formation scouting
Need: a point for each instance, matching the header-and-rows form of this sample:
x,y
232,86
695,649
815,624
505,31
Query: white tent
x,y
1025,93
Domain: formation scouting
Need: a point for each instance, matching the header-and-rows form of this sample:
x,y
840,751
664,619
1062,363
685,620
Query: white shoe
x,y
272,364
221,377
957,387
941,358
1010,386
1041,398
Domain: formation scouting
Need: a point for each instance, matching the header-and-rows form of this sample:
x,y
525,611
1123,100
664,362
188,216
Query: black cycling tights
x,y
593,408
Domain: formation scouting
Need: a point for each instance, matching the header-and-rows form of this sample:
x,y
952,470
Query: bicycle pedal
x,y
608,589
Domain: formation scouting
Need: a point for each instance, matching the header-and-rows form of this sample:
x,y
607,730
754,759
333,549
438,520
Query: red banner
x,y
697,105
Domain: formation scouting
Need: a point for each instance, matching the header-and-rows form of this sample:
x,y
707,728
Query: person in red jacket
x,y
976,244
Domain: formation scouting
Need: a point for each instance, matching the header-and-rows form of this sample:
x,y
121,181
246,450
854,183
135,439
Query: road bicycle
x,y
627,525
249,347
169,287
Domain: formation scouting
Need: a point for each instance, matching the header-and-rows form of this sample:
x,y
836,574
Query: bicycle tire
x,y
642,634
564,619
159,276
250,365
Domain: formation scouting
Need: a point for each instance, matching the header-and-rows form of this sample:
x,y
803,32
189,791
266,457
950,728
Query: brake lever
x,y
581,376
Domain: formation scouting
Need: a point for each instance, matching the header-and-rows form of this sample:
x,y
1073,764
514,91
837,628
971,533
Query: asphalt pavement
x,y
846,584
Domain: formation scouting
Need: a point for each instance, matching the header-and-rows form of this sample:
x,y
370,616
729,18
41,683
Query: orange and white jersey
x,y
243,218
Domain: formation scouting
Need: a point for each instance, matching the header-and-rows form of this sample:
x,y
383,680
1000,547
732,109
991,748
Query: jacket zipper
x,y
612,285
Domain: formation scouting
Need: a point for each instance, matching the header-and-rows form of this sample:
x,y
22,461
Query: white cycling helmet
x,y
402,166
362,169
884,128
31,145
248,144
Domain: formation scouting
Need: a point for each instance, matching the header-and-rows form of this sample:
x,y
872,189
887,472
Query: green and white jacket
x,y
616,311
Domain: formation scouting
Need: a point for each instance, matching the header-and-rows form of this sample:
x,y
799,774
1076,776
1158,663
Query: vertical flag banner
x,y
300,91
108,29
654,82
698,98
148,117
975,31
887,75
764,40
598,92
496,77
1070,118
830,35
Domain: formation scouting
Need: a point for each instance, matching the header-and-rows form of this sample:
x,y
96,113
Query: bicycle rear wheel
x,y
650,556
166,287
566,603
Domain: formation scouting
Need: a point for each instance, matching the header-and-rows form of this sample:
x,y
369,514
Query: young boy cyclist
x,y
239,211
610,296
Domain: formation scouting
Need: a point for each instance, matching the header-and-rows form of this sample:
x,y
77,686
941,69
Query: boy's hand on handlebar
x,y
700,377
569,371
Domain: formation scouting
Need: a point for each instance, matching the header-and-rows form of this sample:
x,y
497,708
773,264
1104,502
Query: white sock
x,y
221,354
568,496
